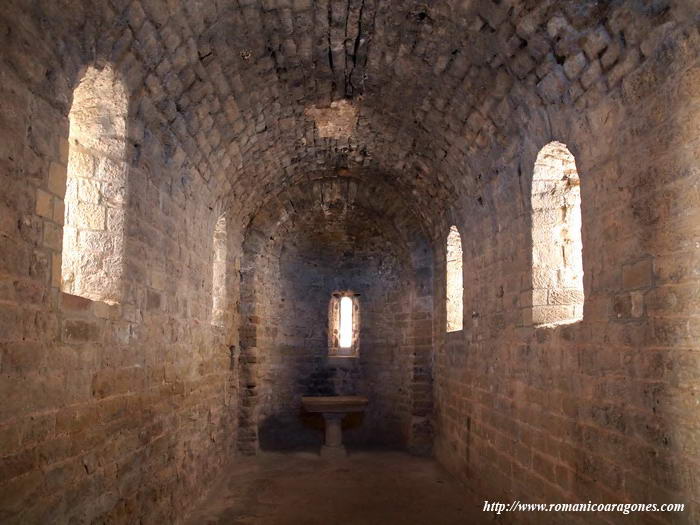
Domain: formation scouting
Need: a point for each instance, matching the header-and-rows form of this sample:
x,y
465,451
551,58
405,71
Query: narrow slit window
x,y
345,322
344,325
218,285
96,189
557,247
455,288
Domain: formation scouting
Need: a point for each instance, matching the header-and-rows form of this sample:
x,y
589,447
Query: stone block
x,y
565,296
59,211
104,310
81,164
544,278
552,314
592,74
44,204
552,87
574,65
624,67
118,332
113,172
53,235
64,150
81,331
612,53
89,191
57,179
522,64
113,193
88,216
74,303
116,219
56,260
21,357
538,297
557,25
622,306
637,275
595,42
109,382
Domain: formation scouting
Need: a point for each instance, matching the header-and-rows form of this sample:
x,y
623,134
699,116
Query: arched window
x,y
557,265
344,325
455,289
93,232
218,282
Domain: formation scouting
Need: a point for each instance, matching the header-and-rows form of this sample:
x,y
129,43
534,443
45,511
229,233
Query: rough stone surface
x,y
337,121
303,488
603,409
124,408
344,236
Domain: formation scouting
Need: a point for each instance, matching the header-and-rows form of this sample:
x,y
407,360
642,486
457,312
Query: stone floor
x,y
368,488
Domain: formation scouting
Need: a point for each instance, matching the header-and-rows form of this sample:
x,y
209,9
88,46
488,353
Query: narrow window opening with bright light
x,y
557,244
345,322
455,288
92,259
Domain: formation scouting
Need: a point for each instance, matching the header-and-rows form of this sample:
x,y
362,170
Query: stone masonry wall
x,y
124,412
332,240
604,409
324,255
110,412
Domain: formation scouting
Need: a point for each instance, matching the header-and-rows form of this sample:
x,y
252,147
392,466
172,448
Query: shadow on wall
x,y
335,244
305,431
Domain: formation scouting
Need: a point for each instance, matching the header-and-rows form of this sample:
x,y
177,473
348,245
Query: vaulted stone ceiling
x,y
242,88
